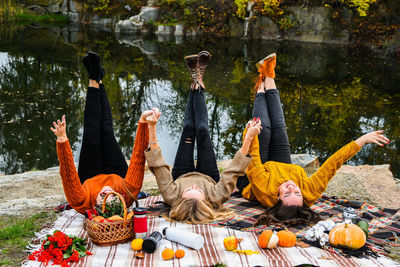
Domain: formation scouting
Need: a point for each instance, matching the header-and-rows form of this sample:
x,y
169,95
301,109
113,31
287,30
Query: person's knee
x,y
188,127
202,131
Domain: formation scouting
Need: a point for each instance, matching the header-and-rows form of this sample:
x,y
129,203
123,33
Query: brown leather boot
x,y
191,63
204,58
266,68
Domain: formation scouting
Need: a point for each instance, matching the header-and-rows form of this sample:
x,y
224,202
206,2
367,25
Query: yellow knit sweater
x,y
264,179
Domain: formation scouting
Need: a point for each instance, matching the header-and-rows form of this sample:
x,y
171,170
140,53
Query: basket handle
x,y
121,199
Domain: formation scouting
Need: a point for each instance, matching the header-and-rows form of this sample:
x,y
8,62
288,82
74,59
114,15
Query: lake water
x,y
331,94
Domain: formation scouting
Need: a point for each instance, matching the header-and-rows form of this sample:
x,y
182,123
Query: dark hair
x,y
288,215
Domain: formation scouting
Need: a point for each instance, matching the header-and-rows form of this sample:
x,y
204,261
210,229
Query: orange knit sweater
x,y
83,197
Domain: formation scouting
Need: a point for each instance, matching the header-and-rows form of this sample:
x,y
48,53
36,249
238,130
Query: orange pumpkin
x,y
268,239
167,254
180,253
286,238
347,236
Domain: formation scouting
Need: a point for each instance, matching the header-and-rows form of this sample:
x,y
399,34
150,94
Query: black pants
x,y
273,139
195,127
100,153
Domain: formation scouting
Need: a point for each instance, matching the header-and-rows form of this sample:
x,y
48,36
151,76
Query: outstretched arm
x,y
73,189
237,167
135,174
319,181
156,162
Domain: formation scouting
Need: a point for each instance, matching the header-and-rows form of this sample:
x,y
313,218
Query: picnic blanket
x,y
384,224
213,251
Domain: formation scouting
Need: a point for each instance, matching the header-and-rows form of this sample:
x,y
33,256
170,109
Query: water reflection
x,y
331,95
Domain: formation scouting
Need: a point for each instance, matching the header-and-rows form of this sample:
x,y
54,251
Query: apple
x,y
231,243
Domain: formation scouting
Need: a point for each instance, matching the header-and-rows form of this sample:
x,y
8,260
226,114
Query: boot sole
x,y
204,52
259,63
191,56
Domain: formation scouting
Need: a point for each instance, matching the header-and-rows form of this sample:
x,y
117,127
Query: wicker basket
x,y
111,233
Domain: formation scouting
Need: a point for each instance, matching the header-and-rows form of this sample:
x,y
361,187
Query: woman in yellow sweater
x,y
282,187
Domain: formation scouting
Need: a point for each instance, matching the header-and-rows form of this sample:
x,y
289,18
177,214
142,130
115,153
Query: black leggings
x,y
100,153
273,139
195,127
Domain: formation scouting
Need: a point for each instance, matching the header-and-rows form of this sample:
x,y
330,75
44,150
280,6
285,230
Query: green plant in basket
x,y
113,207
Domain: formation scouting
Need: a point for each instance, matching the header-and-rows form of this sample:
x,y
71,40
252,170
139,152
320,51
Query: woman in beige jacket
x,y
196,193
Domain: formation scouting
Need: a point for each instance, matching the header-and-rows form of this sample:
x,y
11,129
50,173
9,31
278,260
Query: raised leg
x,y
90,160
260,109
206,161
113,159
279,149
184,161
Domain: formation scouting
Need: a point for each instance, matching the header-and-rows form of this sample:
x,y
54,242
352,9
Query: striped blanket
x,y
213,251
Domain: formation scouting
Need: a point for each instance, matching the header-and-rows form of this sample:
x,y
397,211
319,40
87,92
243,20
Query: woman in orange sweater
x,y
282,187
102,165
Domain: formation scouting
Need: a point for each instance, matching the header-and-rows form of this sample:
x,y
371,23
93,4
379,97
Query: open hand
x,y
375,137
60,129
253,128
153,118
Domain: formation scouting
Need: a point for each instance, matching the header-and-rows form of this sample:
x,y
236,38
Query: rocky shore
x,y
34,191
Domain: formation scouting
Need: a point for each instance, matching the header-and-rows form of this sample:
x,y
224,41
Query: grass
x,y
40,19
16,13
15,233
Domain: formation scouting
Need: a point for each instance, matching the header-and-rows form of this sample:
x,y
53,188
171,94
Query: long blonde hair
x,y
191,210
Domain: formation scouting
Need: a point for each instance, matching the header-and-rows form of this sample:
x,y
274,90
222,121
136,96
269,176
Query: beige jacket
x,y
216,193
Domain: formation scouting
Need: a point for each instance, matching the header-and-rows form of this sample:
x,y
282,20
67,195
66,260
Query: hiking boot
x,y
191,64
93,66
204,58
266,68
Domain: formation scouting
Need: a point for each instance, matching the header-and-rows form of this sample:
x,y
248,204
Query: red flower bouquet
x,y
60,248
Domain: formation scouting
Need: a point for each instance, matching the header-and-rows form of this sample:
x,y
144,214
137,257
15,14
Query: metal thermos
x,y
151,242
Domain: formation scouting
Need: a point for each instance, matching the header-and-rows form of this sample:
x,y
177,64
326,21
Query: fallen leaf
x,y
302,244
139,255
247,252
326,258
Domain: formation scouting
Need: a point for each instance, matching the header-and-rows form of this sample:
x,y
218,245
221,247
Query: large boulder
x,y
315,25
149,14
263,27
127,26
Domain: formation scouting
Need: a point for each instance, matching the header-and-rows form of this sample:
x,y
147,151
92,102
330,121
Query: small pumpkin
x,y
167,254
268,239
348,236
364,226
286,238
180,253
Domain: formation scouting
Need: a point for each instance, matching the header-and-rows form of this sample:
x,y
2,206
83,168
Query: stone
x,y
149,14
315,25
73,17
38,9
72,6
305,160
179,30
164,30
236,28
64,7
263,27
55,8
126,26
